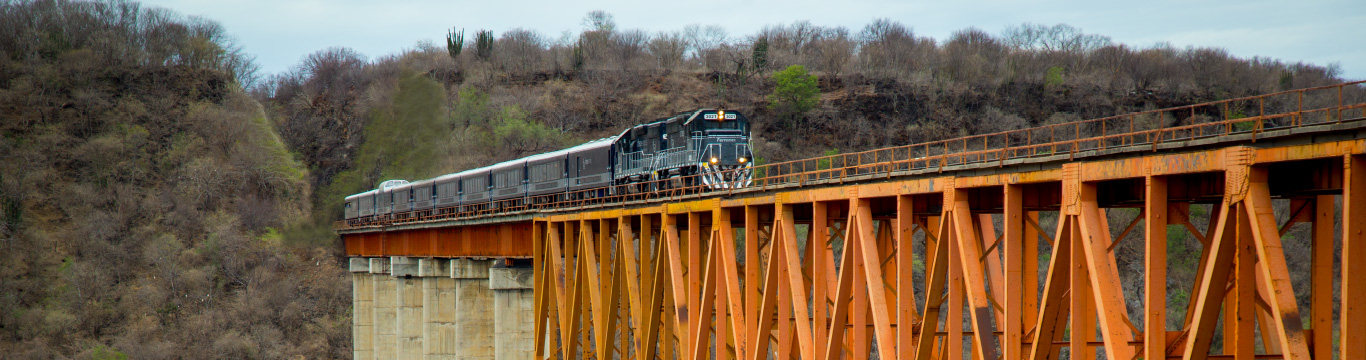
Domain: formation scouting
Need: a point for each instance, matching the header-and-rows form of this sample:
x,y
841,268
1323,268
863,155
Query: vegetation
x,y
483,44
140,184
759,56
794,92
160,199
455,42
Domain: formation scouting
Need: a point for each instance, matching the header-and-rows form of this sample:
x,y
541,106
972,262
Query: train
x,y
703,149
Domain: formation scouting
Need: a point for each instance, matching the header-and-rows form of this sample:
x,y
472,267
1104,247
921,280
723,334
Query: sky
x,y
281,32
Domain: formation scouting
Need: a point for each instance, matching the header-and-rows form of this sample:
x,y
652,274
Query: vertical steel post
x,y
1353,308
905,285
1321,277
1155,268
1014,267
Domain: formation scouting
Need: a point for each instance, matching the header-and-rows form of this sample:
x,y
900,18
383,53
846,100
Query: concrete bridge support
x,y
428,308
383,290
408,307
473,309
514,312
363,310
438,310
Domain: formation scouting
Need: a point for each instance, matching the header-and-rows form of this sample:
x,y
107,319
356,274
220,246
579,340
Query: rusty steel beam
x,y
696,296
1155,268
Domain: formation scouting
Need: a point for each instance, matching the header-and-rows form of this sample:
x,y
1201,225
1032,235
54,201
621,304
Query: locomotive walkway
x,y
889,253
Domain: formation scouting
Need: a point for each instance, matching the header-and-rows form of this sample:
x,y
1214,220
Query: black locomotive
x,y
704,148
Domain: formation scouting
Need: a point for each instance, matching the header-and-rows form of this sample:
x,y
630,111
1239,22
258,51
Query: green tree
x,y
794,92
472,108
518,135
1054,77
824,162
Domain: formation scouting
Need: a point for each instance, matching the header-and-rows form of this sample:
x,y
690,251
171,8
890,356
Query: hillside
x,y
160,199
144,195
880,86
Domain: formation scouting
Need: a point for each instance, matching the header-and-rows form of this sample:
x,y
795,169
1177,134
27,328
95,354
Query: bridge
x,y
992,246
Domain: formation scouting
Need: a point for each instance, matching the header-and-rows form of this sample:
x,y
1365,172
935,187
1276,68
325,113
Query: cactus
x,y
455,42
483,44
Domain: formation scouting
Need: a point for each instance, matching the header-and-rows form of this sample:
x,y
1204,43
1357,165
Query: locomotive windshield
x,y
724,125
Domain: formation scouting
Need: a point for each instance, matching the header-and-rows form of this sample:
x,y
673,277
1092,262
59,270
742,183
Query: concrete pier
x,y
362,310
438,310
514,312
427,308
408,311
474,309
385,328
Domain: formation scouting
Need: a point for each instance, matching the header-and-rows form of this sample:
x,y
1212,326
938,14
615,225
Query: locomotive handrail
x,y
1145,128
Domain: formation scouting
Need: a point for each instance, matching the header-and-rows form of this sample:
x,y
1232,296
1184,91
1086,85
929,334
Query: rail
x,y
1247,115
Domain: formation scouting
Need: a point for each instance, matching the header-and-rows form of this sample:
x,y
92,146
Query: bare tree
x,y
598,20
629,45
668,49
594,49
700,39
1146,67
833,50
886,45
1057,38
973,57
521,50
803,33
1110,59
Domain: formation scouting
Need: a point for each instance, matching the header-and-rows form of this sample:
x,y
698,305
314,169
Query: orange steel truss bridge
x,y
990,246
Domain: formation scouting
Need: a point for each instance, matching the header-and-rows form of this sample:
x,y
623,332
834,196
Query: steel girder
x,y
893,269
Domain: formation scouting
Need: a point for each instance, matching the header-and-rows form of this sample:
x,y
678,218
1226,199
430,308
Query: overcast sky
x,y
281,32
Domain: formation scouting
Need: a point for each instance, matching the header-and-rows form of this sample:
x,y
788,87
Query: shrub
x,y
794,92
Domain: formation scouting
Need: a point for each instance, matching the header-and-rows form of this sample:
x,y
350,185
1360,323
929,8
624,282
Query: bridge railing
x,y
1248,116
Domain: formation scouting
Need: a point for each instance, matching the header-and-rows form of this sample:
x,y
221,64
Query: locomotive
x,y
701,149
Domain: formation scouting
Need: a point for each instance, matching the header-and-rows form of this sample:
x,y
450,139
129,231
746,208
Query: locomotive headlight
x,y
742,159
713,160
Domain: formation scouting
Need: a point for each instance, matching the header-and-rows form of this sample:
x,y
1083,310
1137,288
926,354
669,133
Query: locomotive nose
x,y
733,152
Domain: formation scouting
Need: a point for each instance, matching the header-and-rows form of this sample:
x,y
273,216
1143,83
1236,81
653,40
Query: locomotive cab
x,y
724,139
724,157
